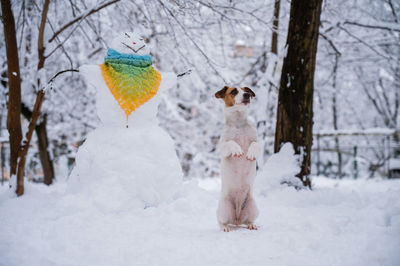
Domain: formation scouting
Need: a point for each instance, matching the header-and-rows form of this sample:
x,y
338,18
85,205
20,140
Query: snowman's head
x,y
130,43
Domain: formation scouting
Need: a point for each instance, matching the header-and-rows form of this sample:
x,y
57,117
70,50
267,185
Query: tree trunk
x,y
45,159
295,101
43,144
14,96
275,25
41,130
28,136
39,97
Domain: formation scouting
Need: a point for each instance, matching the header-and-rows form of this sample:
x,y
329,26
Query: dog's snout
x,y
246,95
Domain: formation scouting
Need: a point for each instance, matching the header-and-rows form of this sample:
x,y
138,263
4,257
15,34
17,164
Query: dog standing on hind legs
x,y
239,148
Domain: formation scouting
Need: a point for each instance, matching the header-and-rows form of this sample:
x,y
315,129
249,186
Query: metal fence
x,y
367,153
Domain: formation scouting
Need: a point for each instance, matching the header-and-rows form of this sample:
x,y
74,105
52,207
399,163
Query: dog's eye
x,y
234,92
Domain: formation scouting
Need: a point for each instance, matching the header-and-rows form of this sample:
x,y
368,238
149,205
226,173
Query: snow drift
x,y
340,222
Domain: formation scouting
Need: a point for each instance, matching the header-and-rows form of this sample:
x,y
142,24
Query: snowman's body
x,y
126,162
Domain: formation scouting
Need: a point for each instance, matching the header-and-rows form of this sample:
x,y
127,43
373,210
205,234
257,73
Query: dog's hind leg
x,y
249,213
225,213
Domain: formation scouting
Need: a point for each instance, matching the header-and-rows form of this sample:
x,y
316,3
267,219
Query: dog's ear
x,y
247,89
221,93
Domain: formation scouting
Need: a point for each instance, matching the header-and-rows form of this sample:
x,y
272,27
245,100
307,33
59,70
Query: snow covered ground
x,y
338,223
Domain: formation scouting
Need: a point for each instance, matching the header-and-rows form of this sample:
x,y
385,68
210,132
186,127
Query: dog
x,y
239,148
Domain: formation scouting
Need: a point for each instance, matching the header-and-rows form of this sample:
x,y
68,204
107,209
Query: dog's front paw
x,y
252,152
231,148
235,150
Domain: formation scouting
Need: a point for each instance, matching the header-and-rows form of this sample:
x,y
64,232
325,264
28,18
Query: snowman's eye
x,y
127,35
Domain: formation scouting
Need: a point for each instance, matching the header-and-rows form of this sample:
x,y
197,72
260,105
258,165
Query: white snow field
x,y
338,223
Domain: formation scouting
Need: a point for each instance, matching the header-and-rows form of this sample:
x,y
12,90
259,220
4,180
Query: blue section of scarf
x,y
114,57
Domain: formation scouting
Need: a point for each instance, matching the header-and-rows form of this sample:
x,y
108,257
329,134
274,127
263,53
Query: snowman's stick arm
x,y
188,72
62,72
50,82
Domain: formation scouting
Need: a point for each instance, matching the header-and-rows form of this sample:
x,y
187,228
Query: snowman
x,y
129,161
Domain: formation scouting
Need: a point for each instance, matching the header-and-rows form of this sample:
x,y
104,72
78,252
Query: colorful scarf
x,y
131,79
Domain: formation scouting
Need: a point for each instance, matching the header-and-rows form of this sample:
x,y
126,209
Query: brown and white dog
x,y
239,148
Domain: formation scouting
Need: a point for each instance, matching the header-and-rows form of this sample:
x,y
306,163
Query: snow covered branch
x,y
380,26
82,16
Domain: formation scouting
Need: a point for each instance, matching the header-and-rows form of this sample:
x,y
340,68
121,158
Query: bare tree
x,y
295,101
14,95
